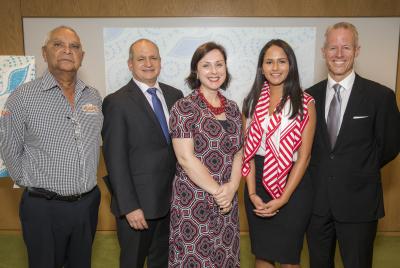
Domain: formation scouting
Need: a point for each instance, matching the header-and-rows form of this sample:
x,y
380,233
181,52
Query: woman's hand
x,y
260,206
274,205
224,195
258,203
227,209
267,209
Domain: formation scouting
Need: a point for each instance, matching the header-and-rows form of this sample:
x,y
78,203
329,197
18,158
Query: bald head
x,y
142,41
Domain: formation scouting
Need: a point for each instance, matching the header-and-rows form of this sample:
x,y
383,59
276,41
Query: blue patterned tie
x,y
158,110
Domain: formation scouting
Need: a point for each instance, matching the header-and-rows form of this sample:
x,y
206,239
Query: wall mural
x,y
177,45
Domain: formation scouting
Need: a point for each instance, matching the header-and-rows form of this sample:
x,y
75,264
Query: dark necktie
x,y
158,110
333,120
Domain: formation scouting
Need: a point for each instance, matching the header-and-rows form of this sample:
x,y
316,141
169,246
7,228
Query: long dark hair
x,y
291,86
200,52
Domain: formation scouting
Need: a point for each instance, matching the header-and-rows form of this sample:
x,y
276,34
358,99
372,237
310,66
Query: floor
x,y
105,251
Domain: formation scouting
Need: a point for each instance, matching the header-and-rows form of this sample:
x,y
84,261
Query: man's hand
x,y
136,220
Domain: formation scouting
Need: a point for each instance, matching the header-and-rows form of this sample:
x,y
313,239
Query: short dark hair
x,y
291,88
200,52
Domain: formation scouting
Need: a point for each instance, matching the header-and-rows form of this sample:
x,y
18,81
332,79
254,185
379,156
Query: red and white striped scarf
x,y
278,158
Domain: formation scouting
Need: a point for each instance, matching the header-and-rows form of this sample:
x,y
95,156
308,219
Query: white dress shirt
x,y
347,85
143,87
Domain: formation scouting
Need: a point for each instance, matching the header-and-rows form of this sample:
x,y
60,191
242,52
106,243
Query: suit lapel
x,y
168,97
321,99
141,101
355,98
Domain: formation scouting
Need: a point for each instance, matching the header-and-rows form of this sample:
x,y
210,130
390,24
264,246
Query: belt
x,y
49,195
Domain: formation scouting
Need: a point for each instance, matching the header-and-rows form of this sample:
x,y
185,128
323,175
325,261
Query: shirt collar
x,y
50,82
346,83
144,87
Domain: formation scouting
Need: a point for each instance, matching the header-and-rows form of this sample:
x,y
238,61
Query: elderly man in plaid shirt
x,y
50,138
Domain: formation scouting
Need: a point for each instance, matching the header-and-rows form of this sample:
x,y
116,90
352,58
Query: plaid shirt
x,y
45,143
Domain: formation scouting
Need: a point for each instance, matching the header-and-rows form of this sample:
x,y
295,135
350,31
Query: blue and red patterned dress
x,y
199,235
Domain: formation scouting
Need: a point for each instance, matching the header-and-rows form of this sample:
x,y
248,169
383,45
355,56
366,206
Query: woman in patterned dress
x,y
206,133
278,194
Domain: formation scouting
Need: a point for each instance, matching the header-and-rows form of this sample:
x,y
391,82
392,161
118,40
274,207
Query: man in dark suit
x,y
357,134
140,159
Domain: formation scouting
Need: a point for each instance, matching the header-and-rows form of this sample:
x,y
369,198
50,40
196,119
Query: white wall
x,y
379,40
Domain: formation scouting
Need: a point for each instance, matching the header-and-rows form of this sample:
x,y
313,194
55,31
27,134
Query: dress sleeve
x,y
307,100
182,119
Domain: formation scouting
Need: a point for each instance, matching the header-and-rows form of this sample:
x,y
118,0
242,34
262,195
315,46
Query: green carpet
x,y
105,251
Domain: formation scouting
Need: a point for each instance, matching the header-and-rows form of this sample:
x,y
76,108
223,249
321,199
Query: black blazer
x,y
140,163
347,179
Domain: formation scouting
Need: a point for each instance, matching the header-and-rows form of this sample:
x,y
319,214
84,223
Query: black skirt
x,y
279,238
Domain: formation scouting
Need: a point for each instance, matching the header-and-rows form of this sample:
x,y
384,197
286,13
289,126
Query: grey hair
x,y
138,41
48,35
343,25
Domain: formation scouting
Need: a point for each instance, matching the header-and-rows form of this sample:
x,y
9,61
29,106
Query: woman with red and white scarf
x,y
281,122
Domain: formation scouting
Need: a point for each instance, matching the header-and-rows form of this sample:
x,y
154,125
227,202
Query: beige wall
x,y
12,43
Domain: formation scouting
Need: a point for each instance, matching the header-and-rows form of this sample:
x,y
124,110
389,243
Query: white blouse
x,y
276,136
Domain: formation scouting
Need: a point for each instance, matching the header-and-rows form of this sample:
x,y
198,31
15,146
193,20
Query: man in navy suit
x,y
140,159
357,134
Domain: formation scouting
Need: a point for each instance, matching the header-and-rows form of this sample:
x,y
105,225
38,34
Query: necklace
x,y
214,110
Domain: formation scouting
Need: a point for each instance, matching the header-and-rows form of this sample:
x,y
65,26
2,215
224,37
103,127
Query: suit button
x,y
331,177
331,156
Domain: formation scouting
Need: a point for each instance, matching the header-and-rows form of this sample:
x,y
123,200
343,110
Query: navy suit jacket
x,y
140,163
346,179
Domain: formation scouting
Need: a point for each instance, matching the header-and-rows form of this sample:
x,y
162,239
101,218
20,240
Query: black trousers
x,y
356,242
137,245
59,233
